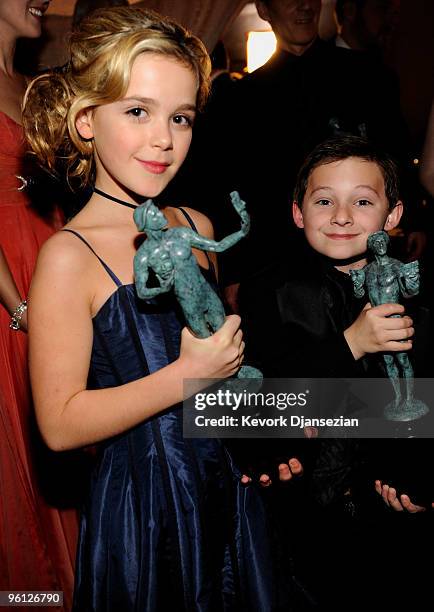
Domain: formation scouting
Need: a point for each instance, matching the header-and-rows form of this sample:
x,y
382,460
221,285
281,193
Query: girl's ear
x,y
297,215
394,217
84,124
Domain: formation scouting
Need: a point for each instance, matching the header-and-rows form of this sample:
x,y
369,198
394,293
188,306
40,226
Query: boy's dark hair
x,y
341,147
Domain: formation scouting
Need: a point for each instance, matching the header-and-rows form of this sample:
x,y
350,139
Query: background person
x,y
37,536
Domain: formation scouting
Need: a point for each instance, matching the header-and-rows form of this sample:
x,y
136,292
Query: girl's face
x,y
141,141
22,18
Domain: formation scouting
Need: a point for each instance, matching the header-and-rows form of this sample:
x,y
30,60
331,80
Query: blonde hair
x,y
102,52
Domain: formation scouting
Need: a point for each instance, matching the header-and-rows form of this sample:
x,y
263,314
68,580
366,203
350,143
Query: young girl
x,y
167,522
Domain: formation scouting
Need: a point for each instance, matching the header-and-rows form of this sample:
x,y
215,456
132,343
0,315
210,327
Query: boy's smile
x,y
345,201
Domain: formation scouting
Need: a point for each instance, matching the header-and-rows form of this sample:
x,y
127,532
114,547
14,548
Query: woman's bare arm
x,y
9,294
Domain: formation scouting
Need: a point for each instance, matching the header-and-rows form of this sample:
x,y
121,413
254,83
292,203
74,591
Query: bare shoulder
x,y
63,250
201,221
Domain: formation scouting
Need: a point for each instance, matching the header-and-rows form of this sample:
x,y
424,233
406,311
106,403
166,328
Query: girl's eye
x,y
183,120
138,113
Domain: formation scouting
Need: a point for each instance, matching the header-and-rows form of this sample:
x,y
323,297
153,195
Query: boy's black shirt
x,y
293,318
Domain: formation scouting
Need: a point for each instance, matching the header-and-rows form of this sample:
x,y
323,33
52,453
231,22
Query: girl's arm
x,y
9,295
61,336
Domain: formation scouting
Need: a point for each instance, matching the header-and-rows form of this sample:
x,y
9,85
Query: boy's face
x,y
345,201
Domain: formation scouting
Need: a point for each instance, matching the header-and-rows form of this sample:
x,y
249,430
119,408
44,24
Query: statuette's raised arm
x,y
207,244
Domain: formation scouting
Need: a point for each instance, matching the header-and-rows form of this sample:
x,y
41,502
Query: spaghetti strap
x,y
193,227
104,265
189,219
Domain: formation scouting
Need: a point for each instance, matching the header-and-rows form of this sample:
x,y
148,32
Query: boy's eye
x,y
363,203
138,113
324,202
183,120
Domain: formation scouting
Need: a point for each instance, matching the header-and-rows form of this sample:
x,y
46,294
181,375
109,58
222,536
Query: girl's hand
x,y
376,330
287,471
218,356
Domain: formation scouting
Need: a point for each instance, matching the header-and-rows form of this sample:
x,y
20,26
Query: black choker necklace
x,y
113,199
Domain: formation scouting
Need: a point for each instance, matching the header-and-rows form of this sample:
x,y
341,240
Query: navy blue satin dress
x,y
167,524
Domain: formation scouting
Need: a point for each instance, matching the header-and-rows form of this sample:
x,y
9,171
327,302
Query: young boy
x,y
345,191
301,319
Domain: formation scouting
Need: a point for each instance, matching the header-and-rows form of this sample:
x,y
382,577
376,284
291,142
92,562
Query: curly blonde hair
x,y
102,52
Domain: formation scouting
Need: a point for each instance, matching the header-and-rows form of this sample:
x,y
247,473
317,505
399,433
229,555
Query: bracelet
x,y
17,315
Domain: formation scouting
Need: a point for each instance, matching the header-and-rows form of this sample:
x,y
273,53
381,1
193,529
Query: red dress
x,y
37,540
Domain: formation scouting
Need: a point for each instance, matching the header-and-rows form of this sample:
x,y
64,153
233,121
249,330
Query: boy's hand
x,y
376,330
398,504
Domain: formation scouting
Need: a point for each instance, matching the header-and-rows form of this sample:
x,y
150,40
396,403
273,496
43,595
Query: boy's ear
x,y
394,217
84,124
297,215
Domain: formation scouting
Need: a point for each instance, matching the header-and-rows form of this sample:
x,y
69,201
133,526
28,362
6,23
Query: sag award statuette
x,y
167,252
386,279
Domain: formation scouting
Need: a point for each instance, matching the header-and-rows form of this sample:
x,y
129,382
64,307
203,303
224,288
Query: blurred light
x,y
415,161
260,47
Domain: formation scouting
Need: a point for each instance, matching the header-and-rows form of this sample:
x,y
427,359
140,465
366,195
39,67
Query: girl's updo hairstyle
x,y
102,52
